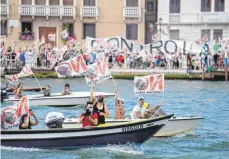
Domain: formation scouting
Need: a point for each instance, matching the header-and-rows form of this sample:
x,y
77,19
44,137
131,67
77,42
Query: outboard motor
x,y
54,120
4,94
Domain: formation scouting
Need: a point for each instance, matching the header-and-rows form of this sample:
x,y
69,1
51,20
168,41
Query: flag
x,y
10,116
149,84
97,72
156,36
42,41
72,67
12,78
26,71
52,37
64,34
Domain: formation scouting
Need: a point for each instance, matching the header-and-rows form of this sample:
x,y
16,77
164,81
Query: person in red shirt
x,y
88,118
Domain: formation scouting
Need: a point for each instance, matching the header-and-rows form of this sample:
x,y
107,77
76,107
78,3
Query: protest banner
x,y
72,67
97,72
149,84
10,116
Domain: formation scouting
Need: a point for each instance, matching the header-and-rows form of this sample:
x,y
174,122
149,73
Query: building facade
x,y
192,19
27,21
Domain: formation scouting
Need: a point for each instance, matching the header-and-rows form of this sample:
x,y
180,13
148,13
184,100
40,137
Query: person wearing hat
x,y
47,91
67,90
119,109
139,110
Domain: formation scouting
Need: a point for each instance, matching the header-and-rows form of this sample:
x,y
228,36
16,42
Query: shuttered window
x,y
132,31
89,2
89,30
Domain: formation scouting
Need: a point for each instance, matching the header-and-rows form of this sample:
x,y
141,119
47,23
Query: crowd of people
x,y
48,57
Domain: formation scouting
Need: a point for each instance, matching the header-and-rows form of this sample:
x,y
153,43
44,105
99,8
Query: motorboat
x,y
57,99
68,138
175,125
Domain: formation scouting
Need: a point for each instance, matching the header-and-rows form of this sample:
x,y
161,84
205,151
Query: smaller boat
x,y
57,99
34,89
61,138
175,125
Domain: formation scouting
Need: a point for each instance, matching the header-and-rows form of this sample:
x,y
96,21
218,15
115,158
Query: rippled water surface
x,y
183,98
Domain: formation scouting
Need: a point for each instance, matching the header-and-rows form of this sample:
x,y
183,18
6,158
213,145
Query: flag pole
x,y
38,82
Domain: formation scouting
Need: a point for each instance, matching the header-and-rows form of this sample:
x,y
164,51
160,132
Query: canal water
x,y
183,98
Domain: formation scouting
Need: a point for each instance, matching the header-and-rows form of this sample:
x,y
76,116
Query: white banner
x,y
97,72
10,116
167,47
26,71
72,67
149,84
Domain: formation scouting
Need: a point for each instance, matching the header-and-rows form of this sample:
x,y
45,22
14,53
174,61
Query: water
x,y
184,98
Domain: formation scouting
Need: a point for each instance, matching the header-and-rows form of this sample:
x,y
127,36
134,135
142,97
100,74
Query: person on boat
x,y
89,117
150,112
138,110
47,91
119,108
18,91
25,122
67,90
92,97
101,109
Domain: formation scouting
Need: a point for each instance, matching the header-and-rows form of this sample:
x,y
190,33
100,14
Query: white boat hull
x,y
173,127
178,125
56,99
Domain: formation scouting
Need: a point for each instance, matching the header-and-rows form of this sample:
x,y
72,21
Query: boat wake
x,y
129,148
20,149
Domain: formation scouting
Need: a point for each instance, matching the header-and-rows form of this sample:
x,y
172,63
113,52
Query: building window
x,y
132,3
174,6
89,30
26,31
54,2
40,2
68,2
26,27
219,5
174,34
150,6
3,1
132,31
26,1
71,28
206,33
3,27
89,2
218,33
205,5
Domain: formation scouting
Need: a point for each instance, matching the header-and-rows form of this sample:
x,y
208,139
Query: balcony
x,y
214,17
5,10
132,12
195,18
43,10
89,11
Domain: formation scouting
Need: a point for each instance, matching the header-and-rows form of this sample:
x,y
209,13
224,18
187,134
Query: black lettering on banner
x,y
93,41
114,39
165,47
184,47
208,50
155,46
130,47
131,128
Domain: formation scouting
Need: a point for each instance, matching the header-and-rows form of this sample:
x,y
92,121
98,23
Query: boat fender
x,y
54,120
